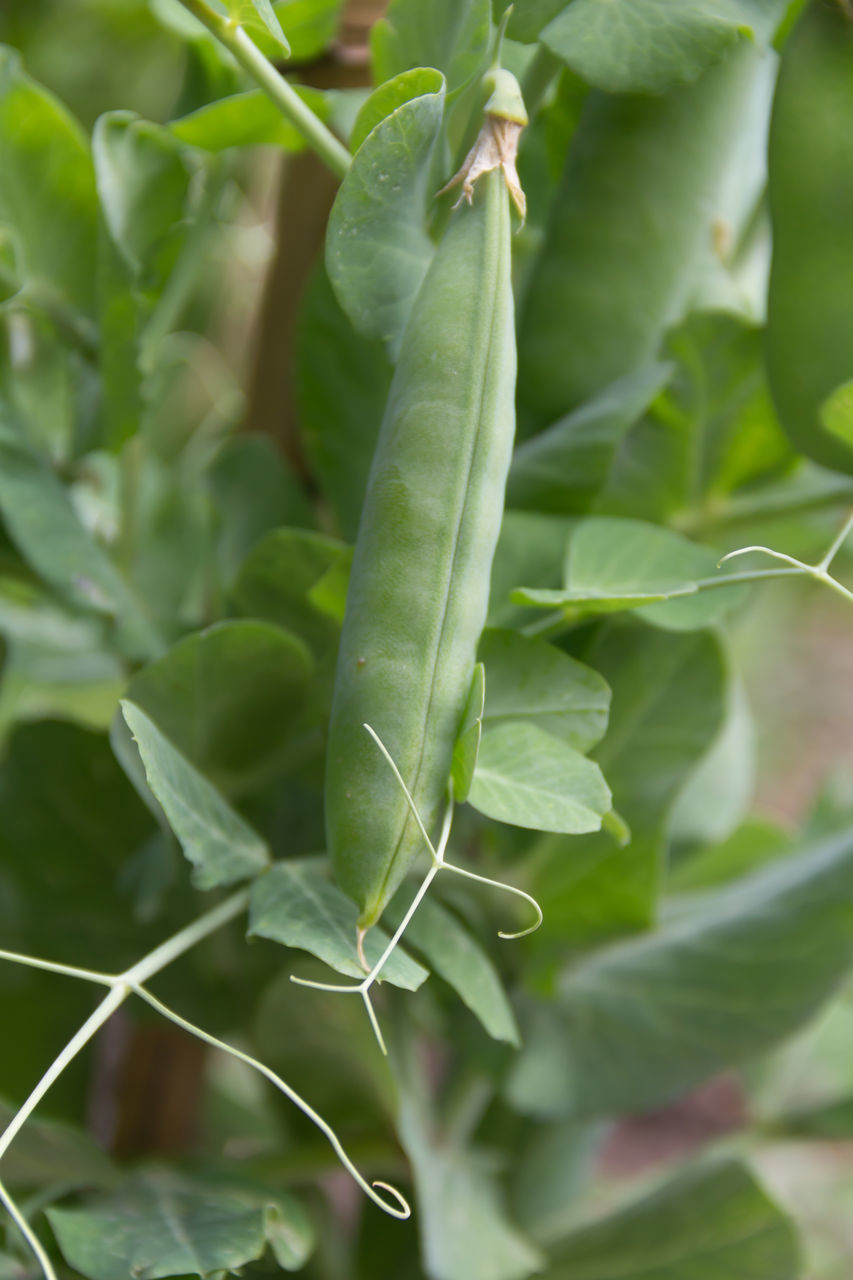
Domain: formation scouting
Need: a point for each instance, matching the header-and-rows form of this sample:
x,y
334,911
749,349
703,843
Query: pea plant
x,y
393,634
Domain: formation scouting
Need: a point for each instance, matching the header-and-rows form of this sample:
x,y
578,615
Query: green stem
x,y
111,1001
187,938
230,34
120,987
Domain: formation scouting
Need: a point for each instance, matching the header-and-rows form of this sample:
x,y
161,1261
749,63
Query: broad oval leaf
x,y
650,46
562,468
47,189
219,843
389,96
230,699
377,247
529,679
456,956
162,1225
714,1219
614,564
45,526
245,120
529,778
451,35
639,1023
296,904
668,703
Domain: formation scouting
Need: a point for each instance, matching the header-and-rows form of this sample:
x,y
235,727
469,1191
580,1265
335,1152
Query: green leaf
x,y
230,699
528,17
47,1152
531,548
391,95
295,904
340,401
529,778
712,432
47,192
719,794
562,468
754,844
261,22
668,703
276,583
456,956
47,530
310,26
70,823
614,564
467,746
245,120
451,35
143,175
711,1220
155,195
377,247
221,846
464,1228
162,1225
650,46
836,412
729,978
529,679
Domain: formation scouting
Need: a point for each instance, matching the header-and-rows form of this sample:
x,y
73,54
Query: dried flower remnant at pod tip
x,y
497,142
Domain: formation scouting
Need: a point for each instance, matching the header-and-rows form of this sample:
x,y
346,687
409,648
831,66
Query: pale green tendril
x,y
439,863
820,571
131,982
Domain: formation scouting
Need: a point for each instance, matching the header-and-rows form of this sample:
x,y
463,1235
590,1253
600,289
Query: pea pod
x,y
629,228
420,578
810,305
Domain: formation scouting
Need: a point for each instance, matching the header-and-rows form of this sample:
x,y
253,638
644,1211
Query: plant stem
x,y
230,34
120,987
185,939
93,1023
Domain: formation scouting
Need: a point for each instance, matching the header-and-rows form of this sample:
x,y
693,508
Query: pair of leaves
x,y
161,1225
614,565
542,711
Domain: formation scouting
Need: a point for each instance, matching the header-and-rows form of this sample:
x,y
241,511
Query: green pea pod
x,y
810,305
630,225
420,578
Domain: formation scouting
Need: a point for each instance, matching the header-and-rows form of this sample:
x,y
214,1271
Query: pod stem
x,y
243,49
437,854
